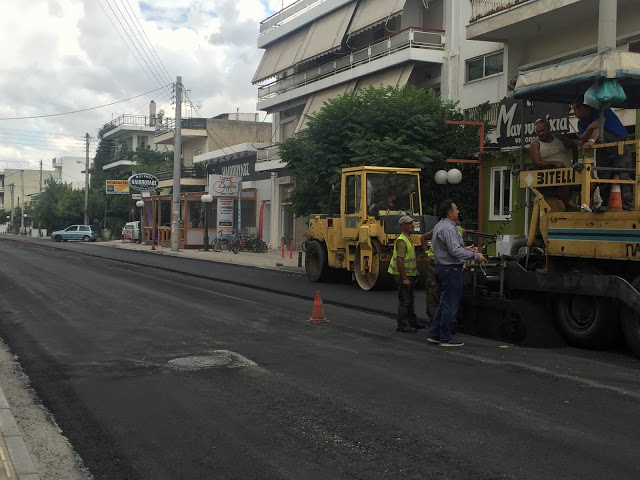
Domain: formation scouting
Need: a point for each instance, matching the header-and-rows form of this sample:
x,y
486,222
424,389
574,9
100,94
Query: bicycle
x,y
222,242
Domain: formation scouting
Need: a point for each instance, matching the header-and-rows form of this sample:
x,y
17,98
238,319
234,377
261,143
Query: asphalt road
x,y
156,374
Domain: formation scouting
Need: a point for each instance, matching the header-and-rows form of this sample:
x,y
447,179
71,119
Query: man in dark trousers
x,y
450,253
404,269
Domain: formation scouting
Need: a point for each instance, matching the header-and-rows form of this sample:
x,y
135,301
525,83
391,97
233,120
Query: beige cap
x,y
405,219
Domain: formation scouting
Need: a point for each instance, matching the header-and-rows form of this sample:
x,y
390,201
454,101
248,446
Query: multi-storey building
x,y
128,133
538,33
316,50
71,170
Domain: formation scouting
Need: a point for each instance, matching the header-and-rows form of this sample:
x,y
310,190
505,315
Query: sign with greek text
x,y
117,187
509,123
143,182
225,215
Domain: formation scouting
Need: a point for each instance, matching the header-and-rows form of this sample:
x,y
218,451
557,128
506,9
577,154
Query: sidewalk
x,y
14,456
271,260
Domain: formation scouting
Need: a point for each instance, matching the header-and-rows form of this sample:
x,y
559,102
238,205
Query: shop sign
x,y
117,187
224,185
225,215
143,182
509,123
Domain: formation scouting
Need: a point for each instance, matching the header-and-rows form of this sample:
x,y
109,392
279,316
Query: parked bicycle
x,y
250,243
221,242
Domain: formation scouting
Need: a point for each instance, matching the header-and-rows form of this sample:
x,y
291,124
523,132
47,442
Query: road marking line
x,y
7,469
2,454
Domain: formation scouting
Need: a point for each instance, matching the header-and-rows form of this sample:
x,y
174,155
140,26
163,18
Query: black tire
x,y
57,238
587,321
630,324
86,238
316,261
235,245
531,324
521,244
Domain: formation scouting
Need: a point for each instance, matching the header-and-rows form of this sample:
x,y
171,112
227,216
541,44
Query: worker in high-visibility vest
x,y
404,269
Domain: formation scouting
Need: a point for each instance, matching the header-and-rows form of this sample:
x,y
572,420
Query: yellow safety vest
x,y
409,262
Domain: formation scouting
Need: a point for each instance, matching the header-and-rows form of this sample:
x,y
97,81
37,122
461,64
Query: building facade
x,y
319,50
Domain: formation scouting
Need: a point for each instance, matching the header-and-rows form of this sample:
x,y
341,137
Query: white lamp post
x,y
140,205
206,199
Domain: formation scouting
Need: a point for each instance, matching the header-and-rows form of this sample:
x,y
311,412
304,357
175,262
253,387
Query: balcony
x,y
482,114
411,38
268,159
186,124
127,120
506,20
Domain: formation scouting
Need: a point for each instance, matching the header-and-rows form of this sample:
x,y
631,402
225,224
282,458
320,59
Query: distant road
x,y
155,374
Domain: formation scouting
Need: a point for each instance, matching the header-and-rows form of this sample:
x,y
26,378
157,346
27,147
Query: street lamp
x,y
140,205
206,199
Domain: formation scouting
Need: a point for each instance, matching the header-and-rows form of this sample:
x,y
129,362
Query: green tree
x,y
391,127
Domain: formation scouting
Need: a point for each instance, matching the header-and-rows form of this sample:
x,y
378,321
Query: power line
x,y
151,67
84,109
124,41
42,133
150,46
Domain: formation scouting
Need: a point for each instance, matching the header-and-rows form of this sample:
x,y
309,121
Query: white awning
x,y
561,82
372,12
316,101
326,33
393,77
281,55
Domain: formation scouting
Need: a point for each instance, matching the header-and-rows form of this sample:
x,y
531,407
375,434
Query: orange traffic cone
x,y
615,197
317,316
282,252
24,244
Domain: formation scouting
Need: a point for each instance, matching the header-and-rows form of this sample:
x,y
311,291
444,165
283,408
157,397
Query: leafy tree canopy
x,y
390,127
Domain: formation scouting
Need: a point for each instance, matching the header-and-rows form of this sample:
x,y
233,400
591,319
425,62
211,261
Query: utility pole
x,y
86,183
13,225
177,170
40,196
22,203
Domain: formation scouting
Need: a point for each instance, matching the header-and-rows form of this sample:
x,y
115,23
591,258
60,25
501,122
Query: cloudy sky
x,y
65,55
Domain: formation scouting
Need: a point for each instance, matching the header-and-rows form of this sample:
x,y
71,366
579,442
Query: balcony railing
x,y
409,38
186,123
268,154
134,120
287,14
484,8
479,114
189,172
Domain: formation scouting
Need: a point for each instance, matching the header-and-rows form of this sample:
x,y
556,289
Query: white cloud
x,y
66,55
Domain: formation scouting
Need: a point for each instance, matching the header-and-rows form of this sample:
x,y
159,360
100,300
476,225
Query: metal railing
x,y
188,172
268,154
287,14
409,38
134,120
169,125
484,8
490,117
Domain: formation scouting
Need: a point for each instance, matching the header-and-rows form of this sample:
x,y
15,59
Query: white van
x,y
131,230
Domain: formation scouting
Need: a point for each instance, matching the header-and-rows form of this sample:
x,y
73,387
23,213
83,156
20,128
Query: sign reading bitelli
x,y
143,182
510,120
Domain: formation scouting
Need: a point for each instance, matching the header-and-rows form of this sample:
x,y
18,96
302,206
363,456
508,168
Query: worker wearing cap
x,y
404,269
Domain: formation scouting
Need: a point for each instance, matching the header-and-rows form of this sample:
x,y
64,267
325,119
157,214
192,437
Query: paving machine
x,y
582,266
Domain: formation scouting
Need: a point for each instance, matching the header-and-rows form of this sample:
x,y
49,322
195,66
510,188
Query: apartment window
x,y
501,193
484,66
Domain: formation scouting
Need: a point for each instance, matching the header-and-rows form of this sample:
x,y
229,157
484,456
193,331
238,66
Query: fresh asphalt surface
x,y
107,338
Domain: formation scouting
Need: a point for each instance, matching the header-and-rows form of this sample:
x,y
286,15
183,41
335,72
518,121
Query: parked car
x,y
76,232
131,230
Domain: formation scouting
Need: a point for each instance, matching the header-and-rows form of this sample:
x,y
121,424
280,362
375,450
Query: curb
x,y
18,462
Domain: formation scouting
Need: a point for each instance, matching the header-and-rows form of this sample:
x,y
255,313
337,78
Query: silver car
x,y
76,232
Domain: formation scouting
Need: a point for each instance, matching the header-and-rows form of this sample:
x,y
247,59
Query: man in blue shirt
x,y
450,253
614,131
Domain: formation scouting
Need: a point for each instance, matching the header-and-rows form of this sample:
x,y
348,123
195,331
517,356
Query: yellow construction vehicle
x,y
581,265
360,238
